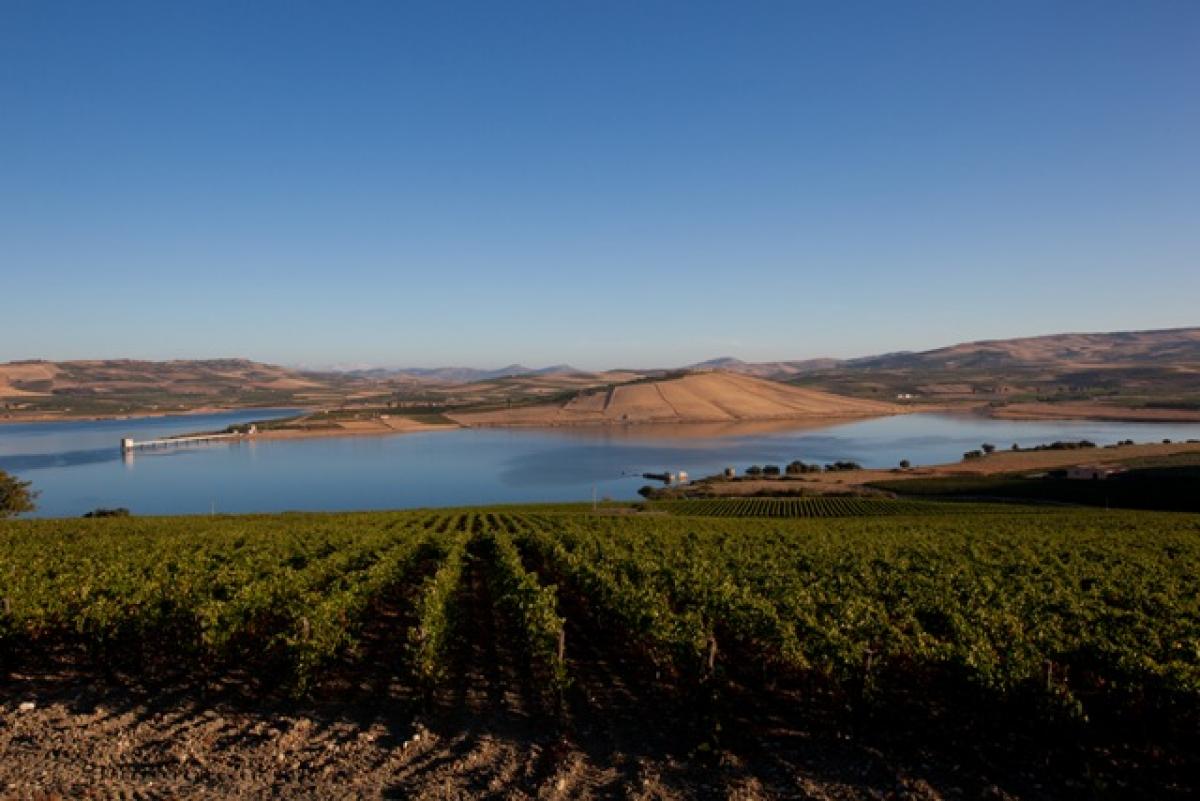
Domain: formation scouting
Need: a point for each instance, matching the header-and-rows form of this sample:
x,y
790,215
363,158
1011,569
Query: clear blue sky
x,y
601,183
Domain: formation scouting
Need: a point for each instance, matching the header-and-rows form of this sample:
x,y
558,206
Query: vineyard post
x,y
560,699
868,662
711,661
1048,674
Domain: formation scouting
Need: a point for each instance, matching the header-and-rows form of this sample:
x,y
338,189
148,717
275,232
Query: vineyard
x,y
1079,619
817,506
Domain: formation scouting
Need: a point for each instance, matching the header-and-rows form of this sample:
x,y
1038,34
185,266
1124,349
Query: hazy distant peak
x,y
464,375
720,363
779,370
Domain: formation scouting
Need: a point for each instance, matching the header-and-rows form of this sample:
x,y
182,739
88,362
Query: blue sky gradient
x,y
601,183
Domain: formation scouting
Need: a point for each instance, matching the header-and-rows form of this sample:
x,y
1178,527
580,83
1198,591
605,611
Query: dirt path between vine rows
x,y
493,731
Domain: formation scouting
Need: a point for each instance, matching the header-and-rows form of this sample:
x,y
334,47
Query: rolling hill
x,y
1162,348
1169,347
119,386
715,396
1146,370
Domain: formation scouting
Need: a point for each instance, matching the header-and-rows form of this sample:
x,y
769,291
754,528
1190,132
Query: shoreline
x,y
384,430
1032,412
94,418
371,428
992,464
707,421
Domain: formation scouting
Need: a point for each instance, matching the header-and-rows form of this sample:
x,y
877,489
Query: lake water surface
x,y
77,466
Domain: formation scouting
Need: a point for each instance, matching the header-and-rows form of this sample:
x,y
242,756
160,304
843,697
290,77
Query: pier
x,y
129,445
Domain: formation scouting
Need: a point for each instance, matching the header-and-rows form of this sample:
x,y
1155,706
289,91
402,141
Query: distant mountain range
x,y
1123,348
462,375
1162,366
766,369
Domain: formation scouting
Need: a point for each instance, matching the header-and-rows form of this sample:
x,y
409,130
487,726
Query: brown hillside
x,y
1171,347
31,373
696,398
117,377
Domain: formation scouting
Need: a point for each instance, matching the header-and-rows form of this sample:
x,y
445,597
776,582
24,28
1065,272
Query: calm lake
x,y
77,466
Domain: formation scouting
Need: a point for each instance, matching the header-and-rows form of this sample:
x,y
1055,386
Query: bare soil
x,y
623,730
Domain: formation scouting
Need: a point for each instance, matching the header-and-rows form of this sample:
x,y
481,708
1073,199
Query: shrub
x,y
15,496
120,511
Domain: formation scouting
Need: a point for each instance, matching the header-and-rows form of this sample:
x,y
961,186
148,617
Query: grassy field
x,y
1070,634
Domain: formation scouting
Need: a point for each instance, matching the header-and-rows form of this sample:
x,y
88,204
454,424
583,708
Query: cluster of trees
x,y
985,448
988,447
120,511
1064,446
798,467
